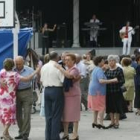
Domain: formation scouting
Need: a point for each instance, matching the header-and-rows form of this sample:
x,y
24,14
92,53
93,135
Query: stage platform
x,y
98,51
36,44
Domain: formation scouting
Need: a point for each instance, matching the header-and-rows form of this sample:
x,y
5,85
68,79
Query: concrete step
x,y
98,51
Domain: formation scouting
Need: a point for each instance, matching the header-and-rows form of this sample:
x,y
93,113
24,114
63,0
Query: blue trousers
x,y
54,104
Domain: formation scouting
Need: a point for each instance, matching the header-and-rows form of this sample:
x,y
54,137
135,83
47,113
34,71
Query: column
x,y
76,23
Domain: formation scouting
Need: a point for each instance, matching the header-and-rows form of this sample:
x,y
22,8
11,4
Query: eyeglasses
x,y
67,59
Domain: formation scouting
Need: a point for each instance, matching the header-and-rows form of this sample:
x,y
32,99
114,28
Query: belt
x,y
53,87
24,89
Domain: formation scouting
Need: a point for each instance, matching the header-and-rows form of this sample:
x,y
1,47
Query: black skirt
x,y
114,103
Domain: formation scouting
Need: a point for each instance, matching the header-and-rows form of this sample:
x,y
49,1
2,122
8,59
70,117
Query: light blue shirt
x,y
26,71
95,87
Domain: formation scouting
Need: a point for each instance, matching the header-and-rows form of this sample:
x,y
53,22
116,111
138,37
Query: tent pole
x,y
15,32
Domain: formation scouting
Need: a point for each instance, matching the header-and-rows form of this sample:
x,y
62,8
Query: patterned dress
x,y
114,95
8,97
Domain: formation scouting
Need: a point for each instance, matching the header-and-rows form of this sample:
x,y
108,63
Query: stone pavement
x,y
129,128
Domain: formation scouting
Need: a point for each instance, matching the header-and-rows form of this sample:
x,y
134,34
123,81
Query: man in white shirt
x,y
94,30
126,34
52,79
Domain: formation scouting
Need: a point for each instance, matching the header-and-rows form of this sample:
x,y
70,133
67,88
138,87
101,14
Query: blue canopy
x,y
6,43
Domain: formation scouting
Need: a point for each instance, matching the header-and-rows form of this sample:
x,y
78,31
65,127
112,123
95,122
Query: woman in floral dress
x,y
9,81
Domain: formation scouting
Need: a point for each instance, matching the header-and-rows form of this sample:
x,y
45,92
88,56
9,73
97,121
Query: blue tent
x,y
6,43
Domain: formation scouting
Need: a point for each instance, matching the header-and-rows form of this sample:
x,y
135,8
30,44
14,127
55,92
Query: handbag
x,y
123,88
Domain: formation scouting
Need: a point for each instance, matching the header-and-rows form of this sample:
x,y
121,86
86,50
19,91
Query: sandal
x,y
65,137
116,126
10,138
7,137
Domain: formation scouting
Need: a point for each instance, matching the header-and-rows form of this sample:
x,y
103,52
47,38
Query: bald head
x,y
19,58
19,62
54,56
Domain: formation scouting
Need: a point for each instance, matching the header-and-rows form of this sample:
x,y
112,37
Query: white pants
x,y
93,35
126,46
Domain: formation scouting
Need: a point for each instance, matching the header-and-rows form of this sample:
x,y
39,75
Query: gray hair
x,y
113,57
19,58
117,58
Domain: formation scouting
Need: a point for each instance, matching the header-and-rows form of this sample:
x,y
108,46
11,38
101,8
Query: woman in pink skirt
x,y
97,92
71,111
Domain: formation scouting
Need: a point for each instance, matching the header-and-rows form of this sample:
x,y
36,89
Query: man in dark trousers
x,y
52,79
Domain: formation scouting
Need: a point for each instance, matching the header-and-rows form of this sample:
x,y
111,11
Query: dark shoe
x,y
19,137
101,126
65,137
110,126
94,125
86,109
123,116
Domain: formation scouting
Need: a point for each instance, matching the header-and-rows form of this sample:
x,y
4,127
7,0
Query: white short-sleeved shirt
x,y
51,76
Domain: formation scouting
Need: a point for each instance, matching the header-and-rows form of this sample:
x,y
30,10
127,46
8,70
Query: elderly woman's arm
x,y
66,73
30,77
27,78
104,81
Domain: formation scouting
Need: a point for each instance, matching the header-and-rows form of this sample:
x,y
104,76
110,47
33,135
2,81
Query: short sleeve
x,y
2,73
74,72
100,74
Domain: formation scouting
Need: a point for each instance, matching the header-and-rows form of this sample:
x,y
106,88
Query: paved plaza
x,y
129,128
